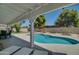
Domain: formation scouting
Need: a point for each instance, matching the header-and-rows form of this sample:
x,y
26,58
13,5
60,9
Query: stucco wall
x,y
63,29
24,30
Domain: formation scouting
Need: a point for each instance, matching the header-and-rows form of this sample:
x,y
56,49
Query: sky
x,y
51,17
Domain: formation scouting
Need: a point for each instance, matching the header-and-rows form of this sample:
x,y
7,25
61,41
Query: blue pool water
x,y
41,38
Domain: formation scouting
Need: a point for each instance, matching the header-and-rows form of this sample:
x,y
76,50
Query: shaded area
x,y
15,41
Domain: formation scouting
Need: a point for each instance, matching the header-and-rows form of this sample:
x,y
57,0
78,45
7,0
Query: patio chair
x,y
10,50
9,33
0,35
3,34
24,51
1,46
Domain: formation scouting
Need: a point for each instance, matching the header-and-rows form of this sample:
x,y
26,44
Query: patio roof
x,y
10,13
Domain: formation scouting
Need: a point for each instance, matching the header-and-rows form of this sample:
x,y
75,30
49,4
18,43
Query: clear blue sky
x,y
51,17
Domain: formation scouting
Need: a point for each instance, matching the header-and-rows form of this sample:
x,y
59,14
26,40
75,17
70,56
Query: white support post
x,y
31,33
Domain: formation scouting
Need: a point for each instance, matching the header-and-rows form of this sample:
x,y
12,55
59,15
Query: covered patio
x,y
11,13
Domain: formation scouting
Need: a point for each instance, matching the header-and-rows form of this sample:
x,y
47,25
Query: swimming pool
x,y
42,38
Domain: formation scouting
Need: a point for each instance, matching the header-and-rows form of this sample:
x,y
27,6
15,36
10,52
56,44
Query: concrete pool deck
x,y
68,49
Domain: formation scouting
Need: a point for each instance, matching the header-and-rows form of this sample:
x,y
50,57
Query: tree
x,y
17,26
39,22
77,23
67,18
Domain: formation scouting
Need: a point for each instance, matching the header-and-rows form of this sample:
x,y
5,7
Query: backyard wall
x,y
23,30
63,30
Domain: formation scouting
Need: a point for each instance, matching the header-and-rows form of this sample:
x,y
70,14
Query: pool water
x,y
41,38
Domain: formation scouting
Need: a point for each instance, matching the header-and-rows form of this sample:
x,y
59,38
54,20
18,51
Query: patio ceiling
x,y
10,13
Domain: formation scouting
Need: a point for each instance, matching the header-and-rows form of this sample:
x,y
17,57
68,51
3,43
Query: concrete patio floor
x,y
66,49
23,40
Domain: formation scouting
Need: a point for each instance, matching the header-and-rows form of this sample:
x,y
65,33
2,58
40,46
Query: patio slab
x,y
61,48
